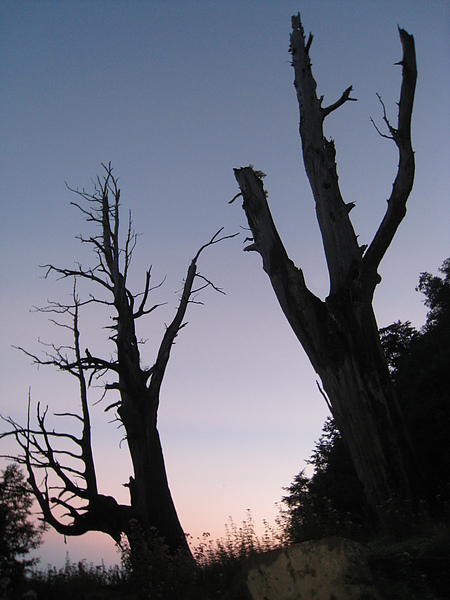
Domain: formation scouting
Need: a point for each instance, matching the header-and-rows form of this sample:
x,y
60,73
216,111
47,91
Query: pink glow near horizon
x,y
176,95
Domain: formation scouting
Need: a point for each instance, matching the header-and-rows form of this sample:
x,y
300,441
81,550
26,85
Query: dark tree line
x,y
331,501
419,369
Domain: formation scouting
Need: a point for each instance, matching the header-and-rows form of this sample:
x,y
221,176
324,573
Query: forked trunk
x,y
341,340
340,334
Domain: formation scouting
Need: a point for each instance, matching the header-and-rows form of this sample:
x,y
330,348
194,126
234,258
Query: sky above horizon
x,y
175,95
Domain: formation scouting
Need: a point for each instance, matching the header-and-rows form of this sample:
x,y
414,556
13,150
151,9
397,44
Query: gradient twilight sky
x,y
176,94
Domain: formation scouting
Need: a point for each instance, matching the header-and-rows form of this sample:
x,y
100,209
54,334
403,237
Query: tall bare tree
x,y
60,465
340,334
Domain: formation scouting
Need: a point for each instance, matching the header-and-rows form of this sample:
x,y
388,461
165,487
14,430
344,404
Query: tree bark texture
x,y
340,334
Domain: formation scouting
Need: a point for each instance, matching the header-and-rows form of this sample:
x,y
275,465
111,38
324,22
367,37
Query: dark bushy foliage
x,y
221,561
149,571
152,571
213,571
423,389
79,580
419,363
18,533
331,502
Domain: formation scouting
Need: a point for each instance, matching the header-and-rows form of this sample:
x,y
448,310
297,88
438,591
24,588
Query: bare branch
x,y
90,275
176,325
142,310
308,43
344,98
385,119
319,155
396,208
214,240
208,283
302,308
388,137
234,198
130,244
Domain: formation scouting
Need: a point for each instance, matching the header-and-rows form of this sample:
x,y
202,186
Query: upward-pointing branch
x,y
172,330
340,243
396,208
303,310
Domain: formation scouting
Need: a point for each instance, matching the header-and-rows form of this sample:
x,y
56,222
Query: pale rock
x,y
328,569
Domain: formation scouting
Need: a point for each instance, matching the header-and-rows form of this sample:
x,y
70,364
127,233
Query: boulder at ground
x,y
328,569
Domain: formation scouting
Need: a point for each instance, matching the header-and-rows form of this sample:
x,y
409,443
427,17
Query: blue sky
x,y
176,94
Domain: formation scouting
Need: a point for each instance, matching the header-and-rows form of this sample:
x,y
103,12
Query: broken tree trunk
x,y
340,334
